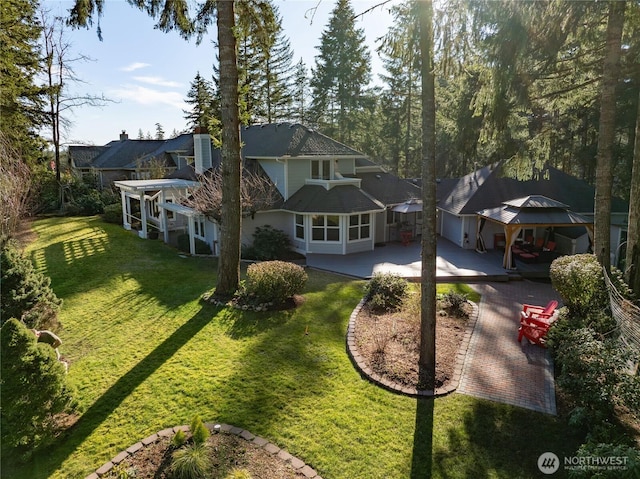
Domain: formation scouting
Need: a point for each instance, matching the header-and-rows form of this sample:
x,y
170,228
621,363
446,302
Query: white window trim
x,y
358,227
325,227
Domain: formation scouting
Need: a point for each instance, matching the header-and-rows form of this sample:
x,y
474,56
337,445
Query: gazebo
x,y
533,211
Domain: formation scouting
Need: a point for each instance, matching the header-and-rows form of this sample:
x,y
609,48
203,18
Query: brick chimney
x,y
202,150
123,135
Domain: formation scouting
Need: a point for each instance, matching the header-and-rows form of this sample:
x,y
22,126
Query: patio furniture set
x,y
535,252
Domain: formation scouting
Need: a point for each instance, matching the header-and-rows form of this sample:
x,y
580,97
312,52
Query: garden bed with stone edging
x,y
297,464
358,360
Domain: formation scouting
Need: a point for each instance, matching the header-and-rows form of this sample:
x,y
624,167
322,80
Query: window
x,y
325,228
299,227
359,227
321,169
199,228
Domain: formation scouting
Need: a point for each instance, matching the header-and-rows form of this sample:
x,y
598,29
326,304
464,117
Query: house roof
x,y
511,215
337,200
488,187
276,140
82,156
127,154
387,188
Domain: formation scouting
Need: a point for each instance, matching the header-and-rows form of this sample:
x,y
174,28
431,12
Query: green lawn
x,y
147,354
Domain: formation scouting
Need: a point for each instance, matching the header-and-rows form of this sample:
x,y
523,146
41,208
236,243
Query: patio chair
x,y
535,321
541,312
535,330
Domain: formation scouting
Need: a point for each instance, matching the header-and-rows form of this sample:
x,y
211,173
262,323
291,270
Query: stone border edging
x,y
282,454
358,360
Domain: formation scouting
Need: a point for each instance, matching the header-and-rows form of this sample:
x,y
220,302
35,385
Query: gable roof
x,y
276,140
488,187
127,154
339,199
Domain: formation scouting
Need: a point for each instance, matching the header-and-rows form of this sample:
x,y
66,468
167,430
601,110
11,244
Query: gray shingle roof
x,y
388,188
277,140
488,187
339,199
83,156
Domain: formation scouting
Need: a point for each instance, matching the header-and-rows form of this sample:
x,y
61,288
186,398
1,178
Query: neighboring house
x,y
461,200
334,200
126,159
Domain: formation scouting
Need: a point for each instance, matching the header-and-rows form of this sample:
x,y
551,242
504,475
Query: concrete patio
x,y
453,262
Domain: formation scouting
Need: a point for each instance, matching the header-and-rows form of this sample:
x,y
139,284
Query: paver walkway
x,y
499,368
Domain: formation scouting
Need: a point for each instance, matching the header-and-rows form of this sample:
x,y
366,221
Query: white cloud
x,y
135,66
158,81
149,96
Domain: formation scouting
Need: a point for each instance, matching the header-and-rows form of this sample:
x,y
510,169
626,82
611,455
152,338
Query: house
x,y
463,202
126,159
334,200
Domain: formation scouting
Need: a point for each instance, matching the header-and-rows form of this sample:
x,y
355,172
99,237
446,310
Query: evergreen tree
x,y
401,97
159,132
204,105
300,93
264,65
21,100
341,75
33,391
140,134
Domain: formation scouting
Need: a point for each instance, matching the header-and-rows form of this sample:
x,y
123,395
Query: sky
x,y
147,73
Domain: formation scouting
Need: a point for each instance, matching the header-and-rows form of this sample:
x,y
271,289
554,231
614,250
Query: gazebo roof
x,y
534,210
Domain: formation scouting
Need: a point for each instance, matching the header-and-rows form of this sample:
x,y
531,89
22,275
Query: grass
x,y
147,354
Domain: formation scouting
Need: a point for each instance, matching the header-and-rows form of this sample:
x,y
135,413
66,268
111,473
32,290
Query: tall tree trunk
x,y
604,176
427,360
633,246
231,223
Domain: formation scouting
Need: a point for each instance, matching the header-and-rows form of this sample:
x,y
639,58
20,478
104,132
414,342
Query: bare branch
x,y
257,193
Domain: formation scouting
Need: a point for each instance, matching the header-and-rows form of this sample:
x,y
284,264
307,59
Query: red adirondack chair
x,y
535,322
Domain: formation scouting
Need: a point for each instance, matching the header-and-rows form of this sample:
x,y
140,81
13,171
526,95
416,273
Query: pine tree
x,y
340,76
204,105
21,100
159,132
401,97
264,65
300,93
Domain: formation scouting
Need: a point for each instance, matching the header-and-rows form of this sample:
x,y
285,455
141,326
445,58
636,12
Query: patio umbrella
x,y
410,206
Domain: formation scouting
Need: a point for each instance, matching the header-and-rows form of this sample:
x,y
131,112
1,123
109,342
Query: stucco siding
x,y
452,228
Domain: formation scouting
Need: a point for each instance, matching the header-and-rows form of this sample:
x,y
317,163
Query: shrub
x,y
179,439
593,373
201,246
89,204
199,431
24,292
113,213
627,454
238,474
33,391
272,282
580,282
386,291
268,244
191,462
455,303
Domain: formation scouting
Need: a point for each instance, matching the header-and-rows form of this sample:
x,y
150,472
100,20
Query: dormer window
x,y
321,169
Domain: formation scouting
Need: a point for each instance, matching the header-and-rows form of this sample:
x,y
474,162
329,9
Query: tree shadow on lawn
x,y
285,364
421,459
43,464
499,440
